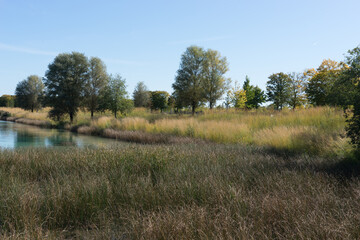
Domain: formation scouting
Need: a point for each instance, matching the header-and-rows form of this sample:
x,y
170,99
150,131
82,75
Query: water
x,y
15,135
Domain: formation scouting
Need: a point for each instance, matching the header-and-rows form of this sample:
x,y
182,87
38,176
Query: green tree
x,y
126,106
159,100
141,95
352,74
278,89
7,101
29,93
96,83
297,95
214,83
187,86
65,83
259,97
116,95
321,82
254,95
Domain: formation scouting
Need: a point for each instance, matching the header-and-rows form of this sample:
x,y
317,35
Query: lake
x,y
15,135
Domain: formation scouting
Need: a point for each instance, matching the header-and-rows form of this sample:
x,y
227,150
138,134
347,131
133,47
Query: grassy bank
x,y
316,130
180,191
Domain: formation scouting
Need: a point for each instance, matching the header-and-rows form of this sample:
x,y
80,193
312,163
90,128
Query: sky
x,y
144,40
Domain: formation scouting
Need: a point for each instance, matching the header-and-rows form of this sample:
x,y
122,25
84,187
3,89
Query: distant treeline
x,y
74,81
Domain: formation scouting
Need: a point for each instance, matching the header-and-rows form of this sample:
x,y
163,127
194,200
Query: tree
x,y
65,84
250,94
29,93
96,83
159,100
239,99
7,101
254,95
259,97
126,106
141,95
297,90
321,82
187,86
214,84
236,97
116,94
353,75
278,89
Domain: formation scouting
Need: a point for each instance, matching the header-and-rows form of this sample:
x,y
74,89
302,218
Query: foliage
x,y
214,83
353,75
159,100
188,86
116,95
29,93
126,106
7,101
278,89
297,95
96,83
321,82
65,83
141,95
239,99
254,95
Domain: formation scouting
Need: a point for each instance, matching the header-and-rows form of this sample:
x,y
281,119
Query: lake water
x,y
15,135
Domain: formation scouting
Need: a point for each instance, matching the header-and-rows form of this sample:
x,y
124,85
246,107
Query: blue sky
x,y
144,40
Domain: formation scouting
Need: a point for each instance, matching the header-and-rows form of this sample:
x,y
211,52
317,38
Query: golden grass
x,y
301,130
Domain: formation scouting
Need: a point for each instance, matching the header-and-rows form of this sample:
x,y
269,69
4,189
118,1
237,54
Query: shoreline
x,y
118,135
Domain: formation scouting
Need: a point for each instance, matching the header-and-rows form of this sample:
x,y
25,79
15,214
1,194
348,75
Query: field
x,y
184,191
225,175
317,130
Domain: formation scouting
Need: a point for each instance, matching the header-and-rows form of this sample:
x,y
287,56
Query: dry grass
x,y
191,191
315,130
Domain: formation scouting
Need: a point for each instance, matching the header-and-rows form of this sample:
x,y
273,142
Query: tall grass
x,y
314,130
192,191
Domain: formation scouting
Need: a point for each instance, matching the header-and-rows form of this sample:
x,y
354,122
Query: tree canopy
x,y
65,83
188,85
141,95
96,83
278,89
213,82
29,93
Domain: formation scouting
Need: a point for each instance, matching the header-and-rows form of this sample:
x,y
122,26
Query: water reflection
x,y
14,135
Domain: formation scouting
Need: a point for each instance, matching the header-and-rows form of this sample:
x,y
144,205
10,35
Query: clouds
x,y
12,48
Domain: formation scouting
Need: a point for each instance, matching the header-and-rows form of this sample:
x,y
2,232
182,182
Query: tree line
x,y
74,81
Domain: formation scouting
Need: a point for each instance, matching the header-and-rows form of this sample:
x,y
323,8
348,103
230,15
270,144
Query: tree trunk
x,y
71,117
92,114
211,104
115,113
193,109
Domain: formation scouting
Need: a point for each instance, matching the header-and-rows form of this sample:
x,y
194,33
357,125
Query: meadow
x,y
221,174
315,130
183,191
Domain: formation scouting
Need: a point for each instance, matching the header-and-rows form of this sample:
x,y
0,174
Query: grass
x,y
315,130
183,191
